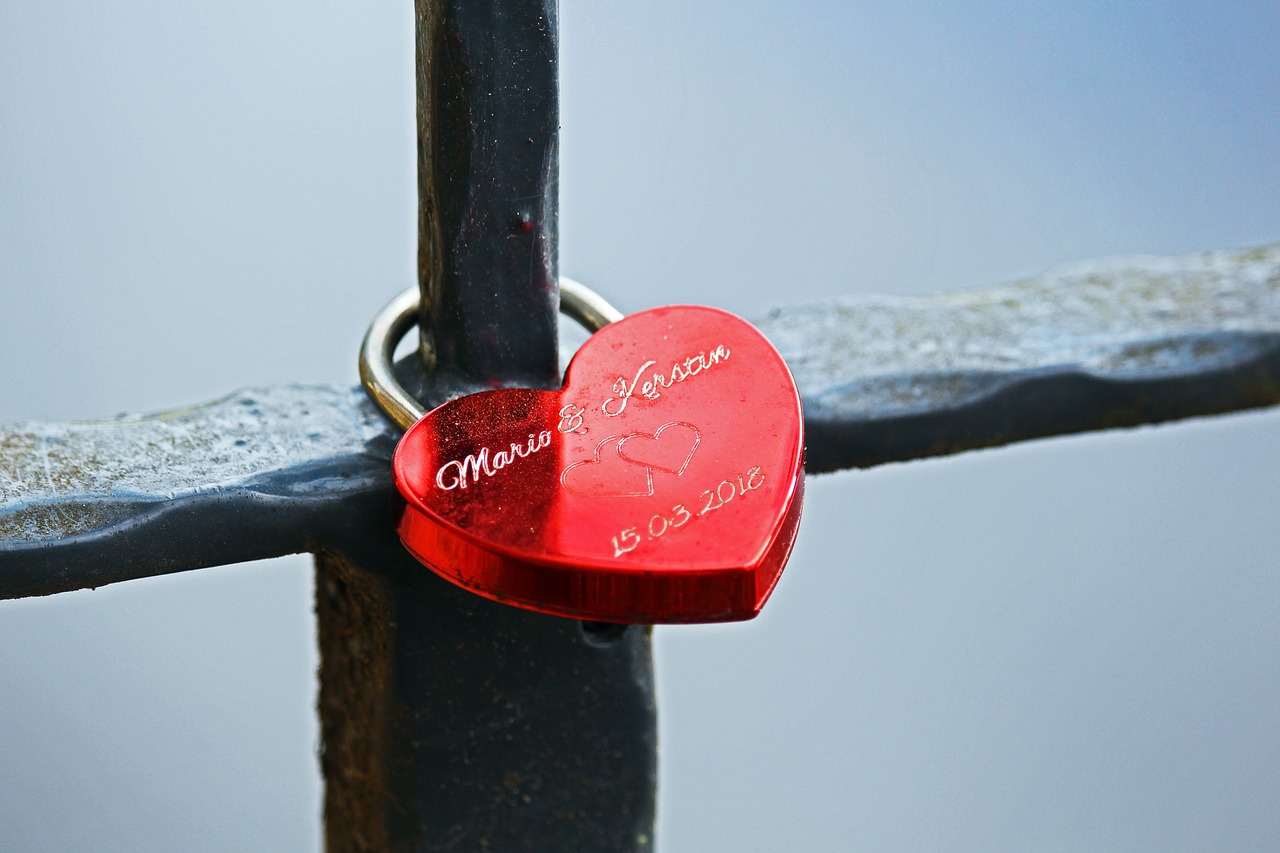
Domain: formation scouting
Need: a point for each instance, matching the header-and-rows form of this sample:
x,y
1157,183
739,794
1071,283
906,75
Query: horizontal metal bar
x,y
257,474
1096,345
273,471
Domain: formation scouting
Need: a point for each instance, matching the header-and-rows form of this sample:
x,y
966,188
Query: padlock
x,y
661,483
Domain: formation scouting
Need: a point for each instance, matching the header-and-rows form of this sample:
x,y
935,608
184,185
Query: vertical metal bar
x,y
449,721
488,120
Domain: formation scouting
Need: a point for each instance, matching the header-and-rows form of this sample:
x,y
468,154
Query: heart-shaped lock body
x,y
661,483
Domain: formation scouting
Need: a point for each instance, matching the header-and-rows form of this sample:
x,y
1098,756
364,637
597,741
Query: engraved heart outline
x,y
596,460
697,439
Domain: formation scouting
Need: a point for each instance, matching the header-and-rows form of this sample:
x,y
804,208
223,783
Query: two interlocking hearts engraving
x,y
661,483
623,465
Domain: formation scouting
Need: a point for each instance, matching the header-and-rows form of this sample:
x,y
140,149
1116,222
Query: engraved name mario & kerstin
x,y
461,473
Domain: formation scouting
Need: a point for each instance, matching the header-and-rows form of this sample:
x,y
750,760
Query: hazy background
x,y
1066,645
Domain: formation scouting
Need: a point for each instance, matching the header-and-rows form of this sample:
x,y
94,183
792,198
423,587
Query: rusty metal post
x,y
451,722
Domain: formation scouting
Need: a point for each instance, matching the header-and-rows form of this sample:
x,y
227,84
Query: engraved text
x,y
651,388
458,474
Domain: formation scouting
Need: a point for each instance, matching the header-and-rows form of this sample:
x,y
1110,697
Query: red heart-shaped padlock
x,y
662,483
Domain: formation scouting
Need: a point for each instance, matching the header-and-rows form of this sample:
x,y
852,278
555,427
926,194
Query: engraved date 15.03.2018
x,y
710,499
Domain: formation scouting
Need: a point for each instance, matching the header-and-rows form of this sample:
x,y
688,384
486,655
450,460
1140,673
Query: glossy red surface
x,y
662,483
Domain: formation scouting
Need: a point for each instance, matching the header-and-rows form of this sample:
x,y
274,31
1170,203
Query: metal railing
x,y
452,721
